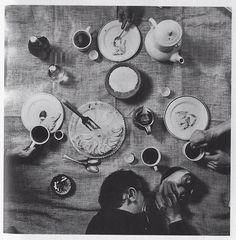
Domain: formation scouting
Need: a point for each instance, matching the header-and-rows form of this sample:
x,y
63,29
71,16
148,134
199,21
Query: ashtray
x,y
62,185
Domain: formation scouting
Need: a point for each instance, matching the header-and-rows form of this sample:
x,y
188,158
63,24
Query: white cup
x,y
39,135
82,39
93,55
58,135
187,150
151,156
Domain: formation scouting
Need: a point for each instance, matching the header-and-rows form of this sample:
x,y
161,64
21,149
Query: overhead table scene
x,y
197,75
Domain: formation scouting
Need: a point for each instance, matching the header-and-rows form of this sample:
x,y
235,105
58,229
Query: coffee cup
x,y
151,157
82,39
58,135
192,154
39,135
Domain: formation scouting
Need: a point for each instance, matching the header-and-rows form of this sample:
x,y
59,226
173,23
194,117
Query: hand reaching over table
x,y
218,160
126,15
20,152
202,138
171,212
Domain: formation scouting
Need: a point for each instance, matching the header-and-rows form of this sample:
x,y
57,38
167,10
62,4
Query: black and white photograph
x,y
117,119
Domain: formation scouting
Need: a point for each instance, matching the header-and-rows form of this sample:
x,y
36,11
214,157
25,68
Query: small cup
x,y
151,157
165,92
58,135
39,135
82,39
129,158
192,154
93,55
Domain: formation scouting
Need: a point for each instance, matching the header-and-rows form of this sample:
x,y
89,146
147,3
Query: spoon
x,y
89,164
119,36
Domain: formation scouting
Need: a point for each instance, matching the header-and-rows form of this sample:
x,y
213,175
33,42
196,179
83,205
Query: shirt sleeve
x,y
178,228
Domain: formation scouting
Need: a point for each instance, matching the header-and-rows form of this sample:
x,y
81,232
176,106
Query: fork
x,y
87,121
119,36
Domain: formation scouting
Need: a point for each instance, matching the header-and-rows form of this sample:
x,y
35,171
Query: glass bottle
x,y
39,47
57,74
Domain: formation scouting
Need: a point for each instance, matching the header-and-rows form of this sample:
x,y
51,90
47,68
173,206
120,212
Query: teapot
x,y
164,40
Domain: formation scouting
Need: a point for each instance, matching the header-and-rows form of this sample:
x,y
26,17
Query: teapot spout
x,y
176,58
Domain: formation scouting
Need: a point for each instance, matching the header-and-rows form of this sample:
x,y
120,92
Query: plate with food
x,y
184,115
102,142
42,109
123,81
124,47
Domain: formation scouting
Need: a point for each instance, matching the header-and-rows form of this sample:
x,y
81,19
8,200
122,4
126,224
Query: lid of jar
x,y
169,33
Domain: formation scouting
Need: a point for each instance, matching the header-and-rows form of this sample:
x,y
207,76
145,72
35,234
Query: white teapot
x,y
164,40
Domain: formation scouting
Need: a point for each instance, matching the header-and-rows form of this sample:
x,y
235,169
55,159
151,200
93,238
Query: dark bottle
x,y
39,47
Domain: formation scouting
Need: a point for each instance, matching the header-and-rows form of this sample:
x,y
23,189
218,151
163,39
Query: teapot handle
x,y
152,23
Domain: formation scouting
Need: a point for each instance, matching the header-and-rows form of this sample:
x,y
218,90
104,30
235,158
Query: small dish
x,y
62,185
123,81
165,92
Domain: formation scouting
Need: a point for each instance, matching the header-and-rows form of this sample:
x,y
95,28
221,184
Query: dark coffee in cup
x,y
192,152
82,39
39,134
150,156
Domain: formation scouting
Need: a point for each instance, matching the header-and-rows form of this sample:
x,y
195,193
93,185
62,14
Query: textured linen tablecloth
x,y
29,204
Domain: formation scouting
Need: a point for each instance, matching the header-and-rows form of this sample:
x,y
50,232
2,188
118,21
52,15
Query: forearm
x,y
221,128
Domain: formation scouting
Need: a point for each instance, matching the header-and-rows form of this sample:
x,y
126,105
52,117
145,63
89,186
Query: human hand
x,y
201,138
126,16
171,213
21,152
218,160
169,192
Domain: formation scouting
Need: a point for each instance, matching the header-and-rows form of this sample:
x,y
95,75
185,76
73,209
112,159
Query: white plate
x,y
190,106
107,118
106,36
42,102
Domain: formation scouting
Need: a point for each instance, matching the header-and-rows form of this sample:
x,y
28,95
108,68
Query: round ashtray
x,y
123,81
62,185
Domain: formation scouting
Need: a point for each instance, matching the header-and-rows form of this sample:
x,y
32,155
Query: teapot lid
x,y
169,33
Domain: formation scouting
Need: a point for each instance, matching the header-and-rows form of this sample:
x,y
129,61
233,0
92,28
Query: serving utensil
x,y
89,164
87,121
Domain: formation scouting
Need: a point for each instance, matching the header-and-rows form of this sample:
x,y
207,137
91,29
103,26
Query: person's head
x,y
183,179
124,190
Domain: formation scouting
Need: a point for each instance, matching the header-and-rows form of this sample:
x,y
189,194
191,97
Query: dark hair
x,y
116,184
